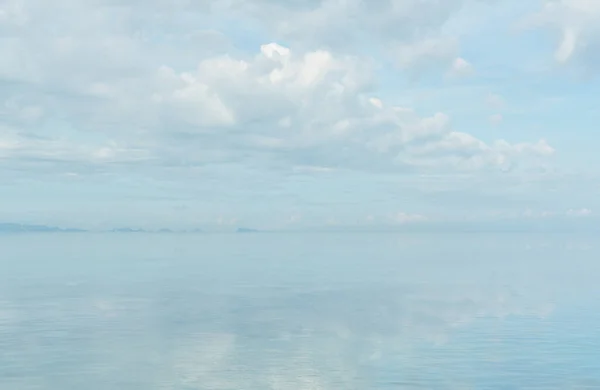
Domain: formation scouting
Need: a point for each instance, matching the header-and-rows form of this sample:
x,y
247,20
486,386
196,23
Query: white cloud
x,y
99,87
404,218
344,24
541,148
529,213
579,212
496,119
304,108
426,52
577,25
461,68
49,155
583,212
112,31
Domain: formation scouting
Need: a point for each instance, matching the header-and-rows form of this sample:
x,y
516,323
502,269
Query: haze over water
x,y
299,311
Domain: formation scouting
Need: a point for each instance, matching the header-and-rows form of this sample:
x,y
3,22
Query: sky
x,y
290,114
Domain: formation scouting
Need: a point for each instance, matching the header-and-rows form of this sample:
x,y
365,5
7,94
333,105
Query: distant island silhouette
x,y
25,228
246,230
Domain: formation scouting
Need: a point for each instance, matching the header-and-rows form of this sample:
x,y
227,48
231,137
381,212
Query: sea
x,y
299,311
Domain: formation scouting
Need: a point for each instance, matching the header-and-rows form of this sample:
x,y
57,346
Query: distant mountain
x,y
157,231
128,230
24,228
246,230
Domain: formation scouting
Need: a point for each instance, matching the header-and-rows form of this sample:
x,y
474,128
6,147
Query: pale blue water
x,y
299,311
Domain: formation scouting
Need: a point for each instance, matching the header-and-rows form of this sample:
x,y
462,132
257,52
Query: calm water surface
x,y
299,311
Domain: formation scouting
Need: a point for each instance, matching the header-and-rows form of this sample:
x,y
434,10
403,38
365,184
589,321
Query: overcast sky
x,y
268,113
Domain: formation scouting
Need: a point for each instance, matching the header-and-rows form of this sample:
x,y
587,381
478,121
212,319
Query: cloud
x,y
315,108
461,68
343,24
279,106
583,212
404,218
411,30
496,119
429,52
576,23
25,151
579,212
101,91
412,33
323,339
176,101
529,213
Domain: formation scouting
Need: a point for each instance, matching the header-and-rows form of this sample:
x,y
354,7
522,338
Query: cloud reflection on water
x,y
228,324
